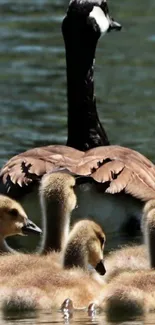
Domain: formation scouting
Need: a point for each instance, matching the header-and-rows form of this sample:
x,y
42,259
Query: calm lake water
x,y
79,317
33,89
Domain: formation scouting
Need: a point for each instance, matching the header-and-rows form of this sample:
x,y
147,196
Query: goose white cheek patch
x,y
100,18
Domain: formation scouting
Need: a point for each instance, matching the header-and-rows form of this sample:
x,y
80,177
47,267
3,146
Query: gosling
x,y
45,288
13,221
135,257
57,201
133,291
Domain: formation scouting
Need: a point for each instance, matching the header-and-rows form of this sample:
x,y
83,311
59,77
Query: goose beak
x,y
31,227
100,268
113,24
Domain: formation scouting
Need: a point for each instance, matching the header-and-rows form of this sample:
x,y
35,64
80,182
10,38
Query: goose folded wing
x,y
122,169
28,167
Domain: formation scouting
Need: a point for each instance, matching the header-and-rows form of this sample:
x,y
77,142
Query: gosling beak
x,y
100,268
31,227
113,24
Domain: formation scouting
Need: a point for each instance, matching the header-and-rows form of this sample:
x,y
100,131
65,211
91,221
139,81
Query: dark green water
x,y
33,85
79,317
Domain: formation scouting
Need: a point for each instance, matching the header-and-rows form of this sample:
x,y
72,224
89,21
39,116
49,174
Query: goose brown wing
x,y
119,167
122,169
28,167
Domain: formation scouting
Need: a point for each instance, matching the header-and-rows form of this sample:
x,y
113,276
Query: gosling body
x,y
133,291
74,280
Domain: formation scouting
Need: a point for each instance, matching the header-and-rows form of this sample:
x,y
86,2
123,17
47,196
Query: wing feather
x,y
122,168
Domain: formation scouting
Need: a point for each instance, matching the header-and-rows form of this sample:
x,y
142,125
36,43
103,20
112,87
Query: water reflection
x,y
79,317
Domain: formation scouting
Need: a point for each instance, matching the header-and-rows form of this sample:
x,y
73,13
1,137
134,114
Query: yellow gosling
x,y
135,257
133,291
85,245
13,221
58,200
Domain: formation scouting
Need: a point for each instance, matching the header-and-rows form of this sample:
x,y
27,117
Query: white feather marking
x,y
102,21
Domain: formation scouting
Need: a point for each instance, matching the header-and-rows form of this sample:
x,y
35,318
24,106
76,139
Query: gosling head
x,y
95,246
13,219
85,246
89,18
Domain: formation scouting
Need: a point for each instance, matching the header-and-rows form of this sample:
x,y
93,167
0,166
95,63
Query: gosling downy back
x,y
135,257
132,292
85,245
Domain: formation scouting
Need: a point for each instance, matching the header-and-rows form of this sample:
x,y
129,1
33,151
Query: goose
x,y
13,221
47,287
132,291
120,171
58,199
82,26
135,257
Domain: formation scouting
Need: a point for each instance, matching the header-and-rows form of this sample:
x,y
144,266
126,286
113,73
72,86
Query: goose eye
x,y
13,213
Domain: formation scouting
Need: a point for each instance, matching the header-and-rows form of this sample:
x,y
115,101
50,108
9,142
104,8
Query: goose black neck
x,y
84,127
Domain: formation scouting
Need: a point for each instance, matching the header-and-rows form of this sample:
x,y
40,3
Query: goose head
x,y
13,219
89,19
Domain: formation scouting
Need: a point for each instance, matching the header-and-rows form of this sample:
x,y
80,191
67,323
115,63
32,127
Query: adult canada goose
x,y
83,25
47,287
13,221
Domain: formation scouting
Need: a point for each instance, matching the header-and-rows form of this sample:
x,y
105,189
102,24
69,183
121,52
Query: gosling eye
x,y
14,213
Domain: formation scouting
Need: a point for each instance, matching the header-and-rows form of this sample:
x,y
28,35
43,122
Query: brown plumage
x,y
119,167
110,169
44,286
